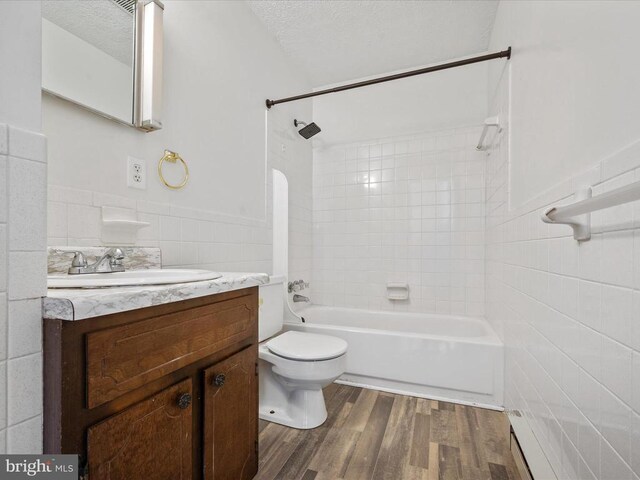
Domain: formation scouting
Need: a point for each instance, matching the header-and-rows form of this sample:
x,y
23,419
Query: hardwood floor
x,y
381,436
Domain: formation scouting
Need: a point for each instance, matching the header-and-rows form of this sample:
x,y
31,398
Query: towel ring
x,y
173,157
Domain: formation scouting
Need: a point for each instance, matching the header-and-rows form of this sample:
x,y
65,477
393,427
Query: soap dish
x,y
120,226
397,291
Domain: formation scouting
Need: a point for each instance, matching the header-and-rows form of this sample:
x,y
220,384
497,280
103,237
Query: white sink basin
x,y
130,278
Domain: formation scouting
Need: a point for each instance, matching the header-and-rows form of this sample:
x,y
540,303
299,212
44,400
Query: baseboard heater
x,y
518,457
535,465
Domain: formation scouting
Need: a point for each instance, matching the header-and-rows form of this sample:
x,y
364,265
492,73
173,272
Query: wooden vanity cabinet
x,y
153,437
230,443
165,392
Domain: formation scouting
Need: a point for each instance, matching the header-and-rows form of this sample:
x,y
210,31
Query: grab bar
x,y
489,122
578,214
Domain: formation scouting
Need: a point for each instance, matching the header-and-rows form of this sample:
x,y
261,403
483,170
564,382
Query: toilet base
x,y
304,409
300,408
291,391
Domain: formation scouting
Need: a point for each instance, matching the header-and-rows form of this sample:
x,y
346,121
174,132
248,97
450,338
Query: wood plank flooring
x,y
371,435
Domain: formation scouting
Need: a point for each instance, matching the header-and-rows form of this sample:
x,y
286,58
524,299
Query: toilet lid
x,y
306,346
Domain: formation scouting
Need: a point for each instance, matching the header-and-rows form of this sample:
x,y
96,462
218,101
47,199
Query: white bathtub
x,y
442,357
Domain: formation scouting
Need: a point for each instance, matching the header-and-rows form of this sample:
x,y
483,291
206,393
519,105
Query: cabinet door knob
x,y
184,400
218,380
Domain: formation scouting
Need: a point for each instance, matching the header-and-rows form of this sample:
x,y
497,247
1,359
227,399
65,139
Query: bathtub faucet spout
x,y
300,298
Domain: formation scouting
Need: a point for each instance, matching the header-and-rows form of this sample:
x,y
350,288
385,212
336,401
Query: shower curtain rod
x,y
443,66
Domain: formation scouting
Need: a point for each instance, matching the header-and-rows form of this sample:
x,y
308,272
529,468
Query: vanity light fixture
x,y
148,65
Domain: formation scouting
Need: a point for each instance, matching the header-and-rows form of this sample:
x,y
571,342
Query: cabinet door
x,y
231,417
150,440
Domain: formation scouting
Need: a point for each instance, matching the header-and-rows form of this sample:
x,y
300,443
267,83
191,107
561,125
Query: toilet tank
x,y
271,310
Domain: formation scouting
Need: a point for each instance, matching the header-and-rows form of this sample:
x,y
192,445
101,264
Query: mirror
x,y
105,55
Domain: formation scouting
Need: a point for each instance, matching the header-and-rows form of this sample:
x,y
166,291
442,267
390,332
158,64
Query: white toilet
x,y
294,366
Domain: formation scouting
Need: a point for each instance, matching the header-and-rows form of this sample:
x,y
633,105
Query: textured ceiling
x,y
334,41
102,23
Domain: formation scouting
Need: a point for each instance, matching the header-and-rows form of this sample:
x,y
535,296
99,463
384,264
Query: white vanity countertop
x,y
81,303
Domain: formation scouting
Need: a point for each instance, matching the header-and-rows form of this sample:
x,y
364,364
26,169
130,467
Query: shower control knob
x,y
184,400
219,379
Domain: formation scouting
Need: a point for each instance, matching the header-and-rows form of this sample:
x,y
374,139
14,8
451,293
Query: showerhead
x,y
307,131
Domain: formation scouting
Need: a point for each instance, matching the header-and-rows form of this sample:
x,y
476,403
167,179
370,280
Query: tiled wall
x,y
404,209
569,314
23,177
200,238
187,238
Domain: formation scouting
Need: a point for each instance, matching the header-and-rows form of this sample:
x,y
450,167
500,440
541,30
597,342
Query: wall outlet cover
x,y
136,173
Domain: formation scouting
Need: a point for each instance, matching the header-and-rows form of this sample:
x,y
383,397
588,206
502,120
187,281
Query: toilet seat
x,y
303,346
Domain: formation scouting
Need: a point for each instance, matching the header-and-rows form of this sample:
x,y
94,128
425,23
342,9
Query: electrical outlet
x,y
136,173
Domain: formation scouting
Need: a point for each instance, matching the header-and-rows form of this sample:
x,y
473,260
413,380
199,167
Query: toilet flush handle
x,y
218,380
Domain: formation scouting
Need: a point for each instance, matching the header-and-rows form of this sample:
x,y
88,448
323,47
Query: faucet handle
x,y
296,286
117,254
79,259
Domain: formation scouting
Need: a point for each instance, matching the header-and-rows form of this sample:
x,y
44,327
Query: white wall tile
x,y
3,398
57,221
3,258
108,200
24,381
169,228
590,302
27,145
618,314
60,194
3,188
635,382
27,204
615,424
25,327
617,252
152,232
4,139
636,259
25,437
612,466
3,326
83,221
189,231
27,275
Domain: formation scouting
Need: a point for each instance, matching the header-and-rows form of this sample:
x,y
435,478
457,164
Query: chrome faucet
x,y
300,298
110,262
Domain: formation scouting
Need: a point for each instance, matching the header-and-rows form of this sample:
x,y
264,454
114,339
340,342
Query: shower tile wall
x,y
569,314
405,209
